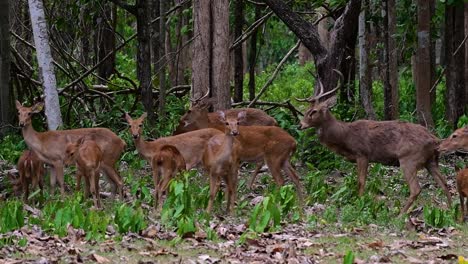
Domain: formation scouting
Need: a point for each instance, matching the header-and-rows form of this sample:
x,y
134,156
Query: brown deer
x,y
87,156
253,116
457,141
462,187
50,146
31,172
221,160
394,143
166,163
258,143
190,145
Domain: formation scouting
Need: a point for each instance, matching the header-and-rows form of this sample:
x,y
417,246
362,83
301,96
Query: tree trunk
x,y
162,55
220,59
365,78
423,62
253,56
144,57
105,39
201,60
455,82
44,58
238,54
5,99
155,37
466,60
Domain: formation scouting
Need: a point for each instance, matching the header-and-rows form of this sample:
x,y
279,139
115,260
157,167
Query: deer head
x,y
232,124
319,111
25,113
71,150
457,141
136,126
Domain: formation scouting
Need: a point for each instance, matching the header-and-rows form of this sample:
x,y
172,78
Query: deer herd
x,y
218,142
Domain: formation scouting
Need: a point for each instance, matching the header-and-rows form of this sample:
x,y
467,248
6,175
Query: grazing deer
x,y
31,172
457,141
50,146
253,116
166,163
87,156
190,145
270,144
462,187
394,143
221,159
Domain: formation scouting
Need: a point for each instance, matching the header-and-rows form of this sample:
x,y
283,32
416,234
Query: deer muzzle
x,y
136,136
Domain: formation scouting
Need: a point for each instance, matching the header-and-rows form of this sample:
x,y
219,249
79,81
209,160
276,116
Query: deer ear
x,y
221,116
80,141
128,117
330,102
18,104
143,116
37,107
241,116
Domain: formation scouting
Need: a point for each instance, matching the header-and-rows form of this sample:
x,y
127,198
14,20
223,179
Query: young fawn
x,y
31,172
221,160
165,164
462,186
87,156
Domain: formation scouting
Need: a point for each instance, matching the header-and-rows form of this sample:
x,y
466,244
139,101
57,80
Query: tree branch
x,y
132,9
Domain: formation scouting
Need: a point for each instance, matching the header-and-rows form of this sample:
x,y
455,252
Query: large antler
x,y
196,101
321,94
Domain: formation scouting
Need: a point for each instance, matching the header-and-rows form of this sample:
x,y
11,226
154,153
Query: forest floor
x,y
405,240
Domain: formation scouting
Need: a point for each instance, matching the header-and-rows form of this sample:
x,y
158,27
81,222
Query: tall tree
x,y
162,58
253,56
238,56
344,29
45,61
201,60
5,99
365,77
423,65
220,59
455,60
105,39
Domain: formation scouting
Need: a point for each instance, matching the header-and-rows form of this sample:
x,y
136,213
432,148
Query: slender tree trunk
x,y
365,77
465,103
238,56
201,60
44,58
434,28
220,70
423,68
253,56
5,99
162,55
144,57
85,46
105,38
155,37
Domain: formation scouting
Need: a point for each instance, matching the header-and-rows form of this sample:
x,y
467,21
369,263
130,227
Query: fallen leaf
x,y
100,259
376,245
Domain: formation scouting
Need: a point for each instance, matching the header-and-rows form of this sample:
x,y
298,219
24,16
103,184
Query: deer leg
x,y
87,184
78,181
465,212
258,166
409,171
231,186
462,207
155,170
274,164
164,184
215,182
114,178
362,164
433,169
92,183
25,184
53,179
291,172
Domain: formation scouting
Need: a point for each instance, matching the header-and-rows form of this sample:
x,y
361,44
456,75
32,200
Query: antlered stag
x,y
31,172
50,146
221,160
457,141
394,143
87,156
253,116
258,144
166,163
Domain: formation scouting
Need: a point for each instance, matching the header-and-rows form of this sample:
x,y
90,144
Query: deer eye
x,y
238,122
226,123
29,114
312,112
454,136
140,125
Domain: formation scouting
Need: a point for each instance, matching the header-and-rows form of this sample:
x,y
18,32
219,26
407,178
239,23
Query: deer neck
x,y
332,130
226,147
31,137
142,147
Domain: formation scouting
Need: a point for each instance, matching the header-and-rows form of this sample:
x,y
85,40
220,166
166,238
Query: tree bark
x,y
238,54
155,37
105,39
5,99
220,59
201,60
44,58
423,68
144,57
365,78
253,56
162,56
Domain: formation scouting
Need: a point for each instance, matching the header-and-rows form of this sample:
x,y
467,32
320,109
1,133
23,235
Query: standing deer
x,y
394,143
457,141
270,144
31,172
221,160
166,162
253,116
50,146
462,187
87,156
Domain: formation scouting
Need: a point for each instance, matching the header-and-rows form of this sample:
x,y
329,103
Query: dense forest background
x,y
401,59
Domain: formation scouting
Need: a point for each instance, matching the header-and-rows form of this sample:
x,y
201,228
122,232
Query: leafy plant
x,y
128,218
348,258
437,217
11,216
